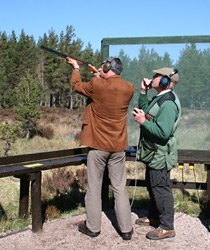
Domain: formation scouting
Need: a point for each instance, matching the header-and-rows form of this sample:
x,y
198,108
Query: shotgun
x,y
79,61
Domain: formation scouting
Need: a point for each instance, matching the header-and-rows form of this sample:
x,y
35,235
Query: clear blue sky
x,y
94,20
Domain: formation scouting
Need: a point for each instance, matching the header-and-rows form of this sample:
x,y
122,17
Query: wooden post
x,y
104,50
208,189
36,201
24,196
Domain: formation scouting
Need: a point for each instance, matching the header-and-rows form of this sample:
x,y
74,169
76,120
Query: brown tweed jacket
x,y
104,123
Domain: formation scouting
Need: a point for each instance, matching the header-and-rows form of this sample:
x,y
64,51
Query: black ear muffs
x,y
165,80
114,64
107,65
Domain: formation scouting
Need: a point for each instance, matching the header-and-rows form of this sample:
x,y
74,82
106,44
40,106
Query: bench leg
x,y
208,190
36,201
24,196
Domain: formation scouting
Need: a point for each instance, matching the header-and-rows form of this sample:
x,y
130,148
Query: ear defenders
x,y
114,64
108,64
165,80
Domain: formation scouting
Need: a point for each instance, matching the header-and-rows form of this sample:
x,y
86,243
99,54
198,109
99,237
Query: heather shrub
x,y
59,182
52,212
46,131
81,176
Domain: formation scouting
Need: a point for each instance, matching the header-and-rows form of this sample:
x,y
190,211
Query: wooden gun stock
x,y
80,62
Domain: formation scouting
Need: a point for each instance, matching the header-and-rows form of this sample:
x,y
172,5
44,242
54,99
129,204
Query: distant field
x,y
193,131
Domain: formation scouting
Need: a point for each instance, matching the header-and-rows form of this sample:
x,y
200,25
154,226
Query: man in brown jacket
x,y
104,131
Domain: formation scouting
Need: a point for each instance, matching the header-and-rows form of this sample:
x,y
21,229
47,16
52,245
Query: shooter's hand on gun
x,y
73,62
145,85
75,65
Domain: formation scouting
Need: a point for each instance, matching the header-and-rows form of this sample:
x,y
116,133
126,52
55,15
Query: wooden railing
x,y
28,168
184,156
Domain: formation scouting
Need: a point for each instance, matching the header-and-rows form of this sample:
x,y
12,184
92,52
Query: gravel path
x,y
62,234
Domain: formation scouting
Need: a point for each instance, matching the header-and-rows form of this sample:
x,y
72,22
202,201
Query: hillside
x,y
62,127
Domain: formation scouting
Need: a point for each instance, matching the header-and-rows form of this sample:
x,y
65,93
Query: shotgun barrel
x,y
80,62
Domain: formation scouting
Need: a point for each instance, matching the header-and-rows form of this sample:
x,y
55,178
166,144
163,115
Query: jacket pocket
x,y
146,151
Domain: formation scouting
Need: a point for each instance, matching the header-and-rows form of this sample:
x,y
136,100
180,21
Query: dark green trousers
x,y
161,197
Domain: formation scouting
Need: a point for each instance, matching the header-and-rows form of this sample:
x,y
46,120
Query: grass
x,y
9,201
192,133
65,125
192,202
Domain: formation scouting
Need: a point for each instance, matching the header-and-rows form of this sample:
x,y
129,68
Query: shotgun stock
x,y
79,61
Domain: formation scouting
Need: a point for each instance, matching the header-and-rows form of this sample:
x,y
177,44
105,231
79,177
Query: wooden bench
x,y
28,168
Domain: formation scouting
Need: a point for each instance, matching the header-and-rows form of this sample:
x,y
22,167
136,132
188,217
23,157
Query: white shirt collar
x,y
164,91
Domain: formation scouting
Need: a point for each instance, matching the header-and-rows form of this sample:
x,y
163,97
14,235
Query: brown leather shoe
x,y
144,221
159,234
127,236
84,229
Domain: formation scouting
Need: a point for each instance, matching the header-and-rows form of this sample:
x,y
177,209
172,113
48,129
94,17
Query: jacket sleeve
x,y
143,101
84,88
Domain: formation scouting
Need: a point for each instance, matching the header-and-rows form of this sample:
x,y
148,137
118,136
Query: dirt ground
x,y
62,234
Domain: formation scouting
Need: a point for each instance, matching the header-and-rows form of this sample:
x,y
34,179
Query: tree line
x,y
22,58
193,65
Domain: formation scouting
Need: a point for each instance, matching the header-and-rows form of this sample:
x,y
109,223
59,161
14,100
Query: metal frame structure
x,y
106,42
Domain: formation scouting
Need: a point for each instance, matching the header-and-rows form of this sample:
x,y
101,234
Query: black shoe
x,y
84,229
127,236
144,221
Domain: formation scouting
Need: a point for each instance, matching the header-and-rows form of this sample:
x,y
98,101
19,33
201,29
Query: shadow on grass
x,y
65,202
3,215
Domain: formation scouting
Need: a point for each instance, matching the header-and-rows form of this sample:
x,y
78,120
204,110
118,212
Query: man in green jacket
x,y
158,119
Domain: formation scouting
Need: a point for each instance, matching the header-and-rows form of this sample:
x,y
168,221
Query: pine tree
x,y
28,93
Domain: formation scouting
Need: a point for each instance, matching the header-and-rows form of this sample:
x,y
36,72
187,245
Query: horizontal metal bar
x,y
155,40
174,184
